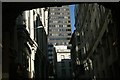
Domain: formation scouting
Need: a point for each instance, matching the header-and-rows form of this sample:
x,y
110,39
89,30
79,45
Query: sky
x,y
72,17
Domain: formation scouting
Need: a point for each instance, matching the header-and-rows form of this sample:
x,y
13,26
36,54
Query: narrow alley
x,y
60,41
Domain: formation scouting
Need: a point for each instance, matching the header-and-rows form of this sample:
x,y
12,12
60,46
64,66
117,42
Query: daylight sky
x,y
72,17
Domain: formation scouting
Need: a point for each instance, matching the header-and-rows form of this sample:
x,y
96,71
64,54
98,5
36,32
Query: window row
x,y
59,17
59,13
59,9
51,21
60,34
59,43
58,38
57,25
58,30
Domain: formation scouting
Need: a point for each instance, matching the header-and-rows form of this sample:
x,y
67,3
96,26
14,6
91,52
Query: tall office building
x,y
59,31
95,37
59,25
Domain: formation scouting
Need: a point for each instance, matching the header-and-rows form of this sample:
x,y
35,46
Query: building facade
x,y
59,25
28,54
63,64
52,58
75,56
59,31
98,41
37,26
50,52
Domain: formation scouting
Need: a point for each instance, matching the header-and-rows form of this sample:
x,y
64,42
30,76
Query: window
x,y
61,17
69,34
60,13
57,13
60,25
63,43
52,13
50,34
54,34
50,57
68,38
52,25
63,29
69,55
50,21
50,54
56,25
68,29
69,64
65,21
62,64
49,50
53,17
84,50
64,25
67,9
49,25
64,9
87,46
62,56
55,21
68,25
67,13
61,34
82,33
66,17
68,21
60,21
50,29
